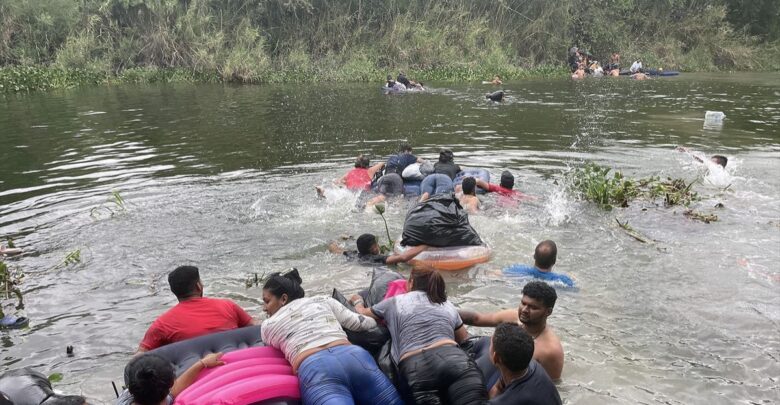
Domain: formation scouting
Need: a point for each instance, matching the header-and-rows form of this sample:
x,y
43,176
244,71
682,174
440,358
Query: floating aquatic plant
x,y
596,184
116,202
9,282
380,209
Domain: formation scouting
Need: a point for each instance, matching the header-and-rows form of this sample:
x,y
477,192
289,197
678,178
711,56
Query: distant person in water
x,y
394,85
613,67
496,81
545,256
640,76
359,178
719,160
504,188
579,73
368,252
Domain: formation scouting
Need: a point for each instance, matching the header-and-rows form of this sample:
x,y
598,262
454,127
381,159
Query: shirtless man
x,y
536,305
468,200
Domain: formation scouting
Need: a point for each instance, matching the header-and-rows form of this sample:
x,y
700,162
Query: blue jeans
x,y
436,184
345,375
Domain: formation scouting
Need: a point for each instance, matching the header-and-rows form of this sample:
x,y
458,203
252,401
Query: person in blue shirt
x,y
545,255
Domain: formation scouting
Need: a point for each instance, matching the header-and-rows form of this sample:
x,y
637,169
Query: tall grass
x,y
258,41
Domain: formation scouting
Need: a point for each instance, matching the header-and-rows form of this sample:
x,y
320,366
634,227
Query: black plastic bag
x,y
385,362
440,222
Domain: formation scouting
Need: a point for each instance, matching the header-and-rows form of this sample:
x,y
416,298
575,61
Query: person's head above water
x,y
545,254
150,379
469,186
185,282
281,289
362,161
367,244
511,347
446,156
720,160
536,303
429,281
507,180
404,147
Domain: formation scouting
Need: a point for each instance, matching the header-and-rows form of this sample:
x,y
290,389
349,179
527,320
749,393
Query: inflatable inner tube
x,y
449,258
253,373
479,174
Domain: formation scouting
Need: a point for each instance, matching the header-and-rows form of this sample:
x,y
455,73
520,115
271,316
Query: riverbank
x,y
32,78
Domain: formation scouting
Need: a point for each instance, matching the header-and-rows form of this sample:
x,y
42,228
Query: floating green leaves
x,y
113,205
596,184
55,377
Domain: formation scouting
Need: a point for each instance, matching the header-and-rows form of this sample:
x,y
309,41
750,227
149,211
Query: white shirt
x,y
307,323
636,66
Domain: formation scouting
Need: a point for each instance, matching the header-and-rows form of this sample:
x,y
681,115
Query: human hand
x,y
212,360
356,300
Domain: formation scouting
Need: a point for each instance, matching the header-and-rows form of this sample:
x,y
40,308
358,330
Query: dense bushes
x,y
303,40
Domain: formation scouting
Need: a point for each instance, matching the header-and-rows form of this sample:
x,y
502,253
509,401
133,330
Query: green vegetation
x,y
116,201
63,43
387,248
9,282
594,183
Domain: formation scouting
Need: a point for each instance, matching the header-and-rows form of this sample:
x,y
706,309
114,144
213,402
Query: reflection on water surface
x,y
222,177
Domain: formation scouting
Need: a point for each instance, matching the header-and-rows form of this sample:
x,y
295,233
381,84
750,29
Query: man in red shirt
x,y
194,315
504,188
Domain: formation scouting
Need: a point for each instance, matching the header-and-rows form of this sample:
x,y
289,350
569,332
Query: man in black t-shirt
x,y
523,380
368,252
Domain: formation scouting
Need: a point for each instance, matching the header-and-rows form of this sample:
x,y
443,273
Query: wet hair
x,y
362,161
468,185
545,254
720,159
288,283
446,156
541,291
389,78
150,379
404,147
513,346
431,282
183,281
65,400
365,242
507,180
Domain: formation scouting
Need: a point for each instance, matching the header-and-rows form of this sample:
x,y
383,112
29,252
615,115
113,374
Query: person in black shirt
x,y
368,252
523,380
446,164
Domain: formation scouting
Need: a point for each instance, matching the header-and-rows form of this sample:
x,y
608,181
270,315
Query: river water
x,y
222,177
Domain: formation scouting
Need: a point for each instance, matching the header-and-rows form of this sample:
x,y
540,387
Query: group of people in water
x,y
426,332
433,355
583,63
387,179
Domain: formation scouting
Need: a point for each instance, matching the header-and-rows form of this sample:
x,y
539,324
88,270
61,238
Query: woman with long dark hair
x,y
309,333
425,330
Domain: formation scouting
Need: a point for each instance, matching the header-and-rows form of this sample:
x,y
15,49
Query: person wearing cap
x,y
368,252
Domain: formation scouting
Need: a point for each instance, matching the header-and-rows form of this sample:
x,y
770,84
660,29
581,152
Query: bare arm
x,y
461,334
409,254
483,184
489,319
334,247
373,170
189,376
